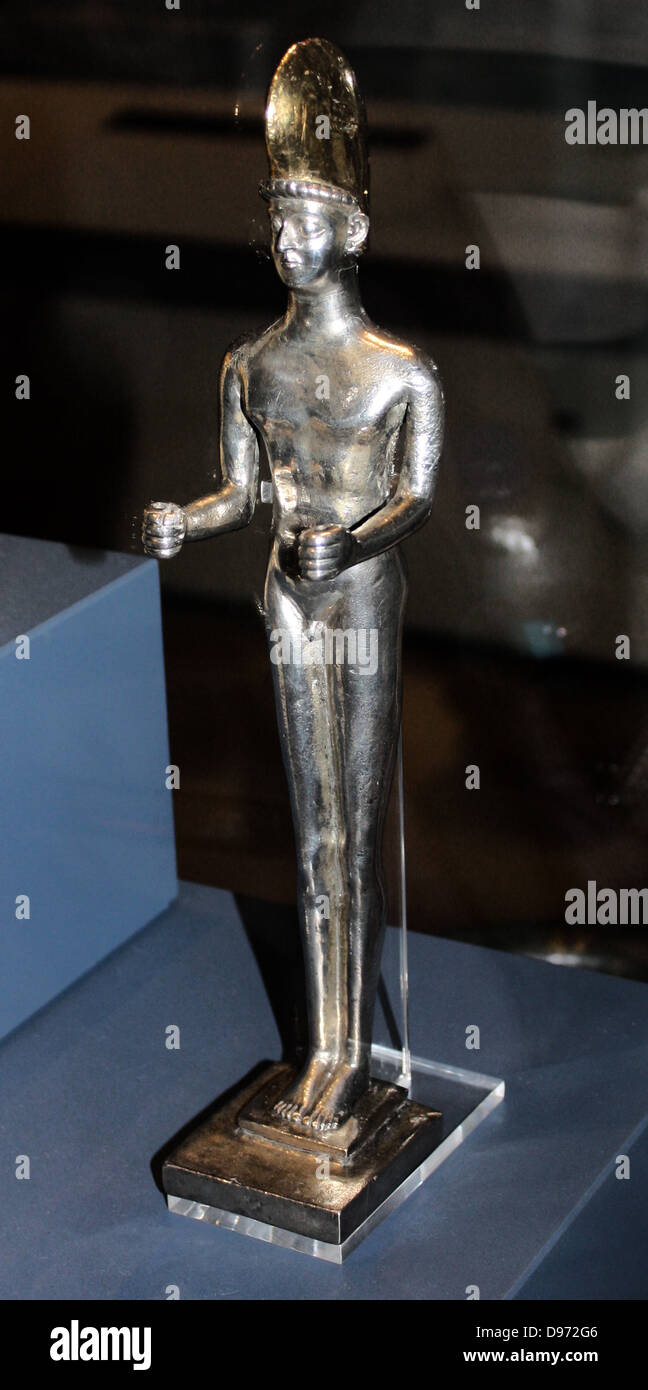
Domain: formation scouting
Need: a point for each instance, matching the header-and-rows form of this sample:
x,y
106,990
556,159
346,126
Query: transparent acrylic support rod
x,y
405,1077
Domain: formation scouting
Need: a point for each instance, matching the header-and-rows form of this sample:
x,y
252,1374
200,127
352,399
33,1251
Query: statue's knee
x,y
323,859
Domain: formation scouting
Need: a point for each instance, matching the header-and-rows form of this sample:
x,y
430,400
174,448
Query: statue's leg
x,y
338,721
308,728
367,702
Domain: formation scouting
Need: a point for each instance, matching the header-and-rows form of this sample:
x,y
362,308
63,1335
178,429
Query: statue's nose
x,y
286,241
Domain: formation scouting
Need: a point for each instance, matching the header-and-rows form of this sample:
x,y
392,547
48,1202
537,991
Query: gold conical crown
x,y
315,128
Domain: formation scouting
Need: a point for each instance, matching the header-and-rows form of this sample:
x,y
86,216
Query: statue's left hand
x,y
324,551
164,527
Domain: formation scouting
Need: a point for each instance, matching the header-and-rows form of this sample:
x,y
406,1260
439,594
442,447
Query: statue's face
x,y
309,239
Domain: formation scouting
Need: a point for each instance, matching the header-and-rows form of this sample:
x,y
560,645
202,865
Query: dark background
x,y
147,130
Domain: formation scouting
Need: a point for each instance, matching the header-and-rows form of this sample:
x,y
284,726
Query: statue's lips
x,y
291,261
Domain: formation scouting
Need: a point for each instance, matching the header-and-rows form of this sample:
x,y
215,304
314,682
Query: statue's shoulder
x,y
414,366
423,376
242,352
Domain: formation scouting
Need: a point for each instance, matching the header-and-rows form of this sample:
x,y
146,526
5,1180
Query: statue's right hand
x,y
164,527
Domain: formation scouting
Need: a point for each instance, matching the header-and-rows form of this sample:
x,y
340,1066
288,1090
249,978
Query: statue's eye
x,y
310,226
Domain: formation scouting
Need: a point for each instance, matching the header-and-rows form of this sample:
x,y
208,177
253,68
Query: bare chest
x,y
323,402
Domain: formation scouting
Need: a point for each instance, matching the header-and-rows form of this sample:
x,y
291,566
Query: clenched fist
x,y
164,527
324,551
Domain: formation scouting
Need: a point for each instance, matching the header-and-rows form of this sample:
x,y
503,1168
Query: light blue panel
x,y
86,821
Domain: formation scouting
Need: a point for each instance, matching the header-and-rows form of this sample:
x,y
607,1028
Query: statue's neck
x,y
327,307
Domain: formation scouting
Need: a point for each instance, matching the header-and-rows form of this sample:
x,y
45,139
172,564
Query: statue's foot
x,y
302,1094
337,1099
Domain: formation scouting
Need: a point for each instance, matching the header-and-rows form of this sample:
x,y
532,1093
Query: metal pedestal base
x,y
245,1168
322,1195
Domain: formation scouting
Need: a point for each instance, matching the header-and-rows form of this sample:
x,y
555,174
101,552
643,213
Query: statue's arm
x,y
232,504
166,526
411,503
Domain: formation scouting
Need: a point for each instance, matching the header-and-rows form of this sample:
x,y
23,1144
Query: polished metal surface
x,y
315,125
377,1107
350,419
307,1191
467,1098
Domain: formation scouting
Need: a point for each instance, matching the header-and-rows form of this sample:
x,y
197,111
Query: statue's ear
x,y
357,231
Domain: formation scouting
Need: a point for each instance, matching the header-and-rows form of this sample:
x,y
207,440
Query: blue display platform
x,y
604,1252
92,1094
87,853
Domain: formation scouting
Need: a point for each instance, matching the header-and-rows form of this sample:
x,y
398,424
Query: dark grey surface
x,y
91,1094
40,578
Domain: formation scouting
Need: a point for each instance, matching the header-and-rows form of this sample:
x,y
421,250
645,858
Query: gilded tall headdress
x,y
315,128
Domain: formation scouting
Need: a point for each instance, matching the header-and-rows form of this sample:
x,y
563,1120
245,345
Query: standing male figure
x,y
351,421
